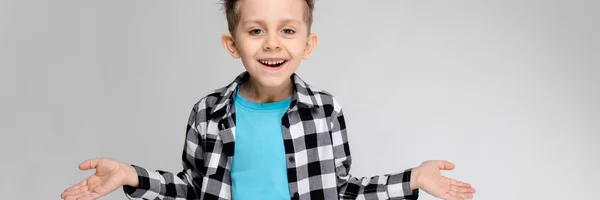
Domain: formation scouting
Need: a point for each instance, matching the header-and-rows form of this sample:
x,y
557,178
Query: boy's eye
x,y
288,31
255,32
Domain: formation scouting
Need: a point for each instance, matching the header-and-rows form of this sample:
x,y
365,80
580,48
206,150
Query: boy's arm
x,y
388,186
165,185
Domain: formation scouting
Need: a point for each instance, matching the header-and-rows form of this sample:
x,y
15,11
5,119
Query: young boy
x,y
268,134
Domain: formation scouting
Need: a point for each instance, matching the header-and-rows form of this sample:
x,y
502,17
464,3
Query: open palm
x,y
430,180
109,176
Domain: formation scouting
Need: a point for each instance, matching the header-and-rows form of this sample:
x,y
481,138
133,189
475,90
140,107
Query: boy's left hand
x,y
427,177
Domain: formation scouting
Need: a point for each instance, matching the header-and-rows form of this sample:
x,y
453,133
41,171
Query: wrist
x,y
414,178
131,176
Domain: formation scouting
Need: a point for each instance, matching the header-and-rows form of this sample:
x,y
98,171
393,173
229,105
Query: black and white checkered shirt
x,y
316,147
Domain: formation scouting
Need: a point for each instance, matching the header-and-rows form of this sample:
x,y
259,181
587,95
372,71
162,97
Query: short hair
x,y
232,8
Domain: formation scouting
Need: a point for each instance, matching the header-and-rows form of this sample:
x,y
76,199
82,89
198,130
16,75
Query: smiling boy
x,y
268,134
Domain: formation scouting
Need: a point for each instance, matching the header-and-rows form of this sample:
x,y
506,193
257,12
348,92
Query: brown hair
x,y
232,8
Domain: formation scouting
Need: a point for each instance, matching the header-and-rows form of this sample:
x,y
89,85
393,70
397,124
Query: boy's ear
x,y
311,44
229,44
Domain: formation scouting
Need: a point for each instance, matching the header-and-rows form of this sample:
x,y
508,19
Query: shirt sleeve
x,y
165,185
389,186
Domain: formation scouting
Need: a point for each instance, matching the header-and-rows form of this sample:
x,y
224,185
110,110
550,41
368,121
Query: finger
x,y
451,195
89,164
466,195
80,184
74,191
452,198
467,190
445,165
72,188
74,196
84,182
461,184
91,196
76,185
458,189
70,191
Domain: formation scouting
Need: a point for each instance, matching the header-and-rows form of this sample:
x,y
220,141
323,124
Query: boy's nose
x,y
271,43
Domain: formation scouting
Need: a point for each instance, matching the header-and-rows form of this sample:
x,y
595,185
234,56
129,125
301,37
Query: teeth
x,y
272,62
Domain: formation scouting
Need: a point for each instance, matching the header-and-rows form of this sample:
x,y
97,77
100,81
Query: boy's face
x,y
271,38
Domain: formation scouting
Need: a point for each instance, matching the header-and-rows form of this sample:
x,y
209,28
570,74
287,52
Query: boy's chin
x,y
274,82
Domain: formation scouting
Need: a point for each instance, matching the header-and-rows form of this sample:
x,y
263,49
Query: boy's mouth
x,y
277,62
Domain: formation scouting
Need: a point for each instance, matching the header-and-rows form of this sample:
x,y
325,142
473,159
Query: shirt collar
x,y
303,95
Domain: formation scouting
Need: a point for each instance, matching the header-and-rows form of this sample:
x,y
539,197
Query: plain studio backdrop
x,y
507,90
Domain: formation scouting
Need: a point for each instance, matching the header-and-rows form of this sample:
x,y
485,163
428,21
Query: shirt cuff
x,y
398,186
145,189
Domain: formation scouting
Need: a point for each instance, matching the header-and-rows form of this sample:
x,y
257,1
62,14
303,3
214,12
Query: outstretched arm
x,y
405,185
139,183
165,185
388,186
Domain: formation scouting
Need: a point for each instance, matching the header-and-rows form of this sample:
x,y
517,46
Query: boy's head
x,y
270,36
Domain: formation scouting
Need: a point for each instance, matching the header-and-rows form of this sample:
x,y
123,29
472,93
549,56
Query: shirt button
x,y
292,160
296,195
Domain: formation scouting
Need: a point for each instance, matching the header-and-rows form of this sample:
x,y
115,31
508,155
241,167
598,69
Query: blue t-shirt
x,y
259,169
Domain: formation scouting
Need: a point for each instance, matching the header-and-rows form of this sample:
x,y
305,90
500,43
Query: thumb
x,y
89,164
445,165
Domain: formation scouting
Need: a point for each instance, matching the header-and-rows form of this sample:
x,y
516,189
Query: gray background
x,y
508,90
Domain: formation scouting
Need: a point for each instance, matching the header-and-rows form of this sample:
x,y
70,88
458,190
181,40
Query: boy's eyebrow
x,y
286,21
261,22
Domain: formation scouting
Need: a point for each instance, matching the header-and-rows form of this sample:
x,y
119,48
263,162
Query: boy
x,y
268,134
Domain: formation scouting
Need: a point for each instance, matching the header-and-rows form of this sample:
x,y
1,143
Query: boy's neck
x,y
257,93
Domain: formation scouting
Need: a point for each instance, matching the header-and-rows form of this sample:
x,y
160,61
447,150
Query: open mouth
x,y
273,62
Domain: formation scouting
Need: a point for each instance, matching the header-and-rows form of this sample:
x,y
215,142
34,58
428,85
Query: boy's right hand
x,y
110,175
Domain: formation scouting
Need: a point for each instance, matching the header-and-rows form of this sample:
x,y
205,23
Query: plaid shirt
x,y
316,147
